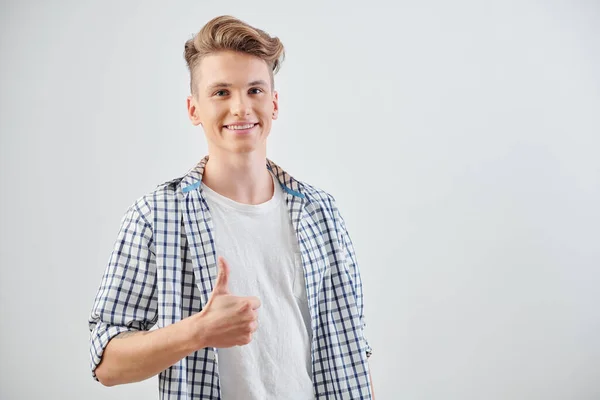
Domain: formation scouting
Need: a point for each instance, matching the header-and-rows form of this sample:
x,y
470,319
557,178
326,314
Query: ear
x,y
275,104
192,109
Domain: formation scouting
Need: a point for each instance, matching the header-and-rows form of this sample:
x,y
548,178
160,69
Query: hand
x,y
227,320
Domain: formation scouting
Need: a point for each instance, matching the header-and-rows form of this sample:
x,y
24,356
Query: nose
x,y
240,107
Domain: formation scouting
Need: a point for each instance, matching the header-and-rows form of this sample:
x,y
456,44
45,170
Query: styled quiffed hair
x,y
228,33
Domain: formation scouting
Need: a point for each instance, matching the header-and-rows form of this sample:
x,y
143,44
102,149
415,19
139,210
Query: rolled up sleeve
x,y
127,298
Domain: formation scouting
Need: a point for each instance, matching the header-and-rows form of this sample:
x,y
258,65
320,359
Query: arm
x,y
354,271
352,266
225,321
372,389
135,356
126,302
122,350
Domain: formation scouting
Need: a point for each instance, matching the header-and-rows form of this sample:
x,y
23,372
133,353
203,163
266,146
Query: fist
x,y
228,320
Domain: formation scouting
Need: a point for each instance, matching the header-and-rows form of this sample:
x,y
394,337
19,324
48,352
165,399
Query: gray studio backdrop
x,y
461,140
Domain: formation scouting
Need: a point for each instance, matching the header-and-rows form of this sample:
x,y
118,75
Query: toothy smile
x,y
240,127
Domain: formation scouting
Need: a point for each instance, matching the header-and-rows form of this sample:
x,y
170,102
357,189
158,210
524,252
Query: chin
x,y
239,148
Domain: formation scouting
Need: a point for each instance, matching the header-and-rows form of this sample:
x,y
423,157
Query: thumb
x,y
222,283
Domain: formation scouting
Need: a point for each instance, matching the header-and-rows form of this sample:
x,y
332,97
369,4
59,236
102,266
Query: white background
x,y
461,140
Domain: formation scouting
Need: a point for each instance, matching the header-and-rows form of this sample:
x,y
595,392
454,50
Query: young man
x,y
249,274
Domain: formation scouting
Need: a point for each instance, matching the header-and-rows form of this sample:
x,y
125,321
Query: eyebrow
x,y
259,82
218,85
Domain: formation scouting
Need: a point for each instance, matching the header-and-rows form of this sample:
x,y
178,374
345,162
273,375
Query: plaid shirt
x,y
164,265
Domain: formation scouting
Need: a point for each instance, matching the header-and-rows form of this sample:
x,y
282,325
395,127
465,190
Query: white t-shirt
x,y
261,248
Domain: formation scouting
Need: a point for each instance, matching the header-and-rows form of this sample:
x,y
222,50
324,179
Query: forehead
x,y
231,67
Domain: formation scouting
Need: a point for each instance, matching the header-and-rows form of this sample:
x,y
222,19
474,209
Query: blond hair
x,y
228,33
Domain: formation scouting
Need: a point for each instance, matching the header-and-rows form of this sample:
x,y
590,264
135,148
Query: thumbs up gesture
x,y
227,320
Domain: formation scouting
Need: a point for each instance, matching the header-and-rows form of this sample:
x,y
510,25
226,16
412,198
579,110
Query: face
x,y
234,102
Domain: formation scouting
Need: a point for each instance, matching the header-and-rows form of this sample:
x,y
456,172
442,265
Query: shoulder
x,y
162,197
319,198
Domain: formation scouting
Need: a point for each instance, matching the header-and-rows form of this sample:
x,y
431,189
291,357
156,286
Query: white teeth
x,y
236,127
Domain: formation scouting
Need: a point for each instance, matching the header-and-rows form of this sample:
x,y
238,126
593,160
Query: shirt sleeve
x,y
126,299
352,265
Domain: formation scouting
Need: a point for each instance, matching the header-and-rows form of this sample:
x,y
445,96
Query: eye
x,y
221,93
255,91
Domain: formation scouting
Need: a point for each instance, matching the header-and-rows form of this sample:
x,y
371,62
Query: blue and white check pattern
x,y
164,265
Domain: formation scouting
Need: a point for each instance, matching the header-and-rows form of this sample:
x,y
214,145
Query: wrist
x,y
196,331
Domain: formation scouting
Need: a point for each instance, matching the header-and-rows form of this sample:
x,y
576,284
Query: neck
x,y
241,177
